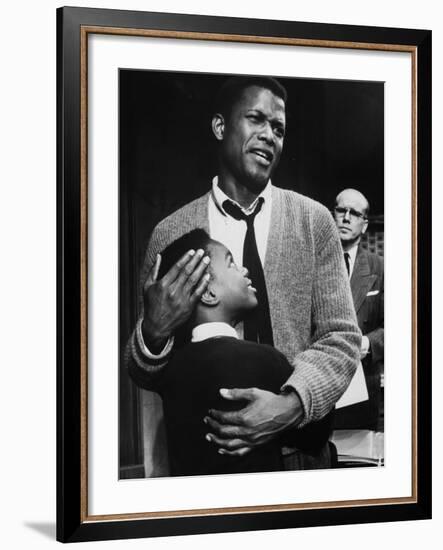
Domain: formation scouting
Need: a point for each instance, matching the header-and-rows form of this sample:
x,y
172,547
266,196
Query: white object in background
x,y
359,446
357,390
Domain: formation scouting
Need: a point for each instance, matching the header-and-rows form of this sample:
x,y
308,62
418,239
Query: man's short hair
x,y
233,88
195,239
366,210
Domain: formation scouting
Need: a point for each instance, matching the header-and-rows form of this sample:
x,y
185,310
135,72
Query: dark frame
x,y
73,25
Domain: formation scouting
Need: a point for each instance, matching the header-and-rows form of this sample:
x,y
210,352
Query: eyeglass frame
x,y
353,214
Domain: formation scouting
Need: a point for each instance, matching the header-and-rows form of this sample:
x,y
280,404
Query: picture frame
x,y
74,28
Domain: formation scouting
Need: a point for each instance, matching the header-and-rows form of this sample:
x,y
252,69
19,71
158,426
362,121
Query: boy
x,y
209,356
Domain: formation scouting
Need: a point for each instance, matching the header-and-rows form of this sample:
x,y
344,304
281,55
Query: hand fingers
x,y
234,394
153,272
191,257
226,431
192,271
239,452
156,267
199,291
196,276
226,417
226,444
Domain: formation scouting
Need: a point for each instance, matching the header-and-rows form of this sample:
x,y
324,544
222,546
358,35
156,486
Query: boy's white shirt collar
x,y
220,196
209,330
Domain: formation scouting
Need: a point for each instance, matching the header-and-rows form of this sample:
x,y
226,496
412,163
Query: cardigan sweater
x,y
312,312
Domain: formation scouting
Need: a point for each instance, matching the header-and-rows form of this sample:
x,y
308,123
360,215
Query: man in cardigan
x,y
367,285
305,309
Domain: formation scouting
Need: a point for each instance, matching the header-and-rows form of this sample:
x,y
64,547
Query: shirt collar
x,y
353,253
209,330
220,196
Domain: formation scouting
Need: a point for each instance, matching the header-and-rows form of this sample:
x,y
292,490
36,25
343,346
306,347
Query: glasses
x,y
340,212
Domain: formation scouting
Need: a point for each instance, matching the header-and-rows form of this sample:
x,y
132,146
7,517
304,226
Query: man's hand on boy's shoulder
x,y
266,415
168,302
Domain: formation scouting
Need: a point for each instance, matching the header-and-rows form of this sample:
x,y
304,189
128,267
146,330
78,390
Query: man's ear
x,y
218,126
365,227
210,298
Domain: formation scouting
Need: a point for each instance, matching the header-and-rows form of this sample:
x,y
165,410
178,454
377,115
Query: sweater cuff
x,y
297,383
143,358
144,349
288,388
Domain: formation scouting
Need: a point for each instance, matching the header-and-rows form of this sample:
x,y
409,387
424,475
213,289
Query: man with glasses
x,y
366,275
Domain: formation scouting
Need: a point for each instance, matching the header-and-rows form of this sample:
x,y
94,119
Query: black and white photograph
x,y
203,203
251,273
234,195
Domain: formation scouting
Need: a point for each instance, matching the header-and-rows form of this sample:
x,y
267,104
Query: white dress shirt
x,y
232,232
352,256
209,330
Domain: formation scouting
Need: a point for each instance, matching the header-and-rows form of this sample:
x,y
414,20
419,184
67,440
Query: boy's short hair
x,y
233,88
195,239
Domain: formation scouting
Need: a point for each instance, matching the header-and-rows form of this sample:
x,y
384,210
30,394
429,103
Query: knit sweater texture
x,y
312,312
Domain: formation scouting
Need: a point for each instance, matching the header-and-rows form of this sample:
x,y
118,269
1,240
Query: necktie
x,y
257,325
348,267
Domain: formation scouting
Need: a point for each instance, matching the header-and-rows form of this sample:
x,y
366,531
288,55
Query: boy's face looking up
x,y
229,284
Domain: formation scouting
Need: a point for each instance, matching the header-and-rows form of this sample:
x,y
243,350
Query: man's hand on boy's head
x,y
266,415
170,301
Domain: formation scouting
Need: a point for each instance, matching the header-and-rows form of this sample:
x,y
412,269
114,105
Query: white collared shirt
x,y
209,330
232,232
352,256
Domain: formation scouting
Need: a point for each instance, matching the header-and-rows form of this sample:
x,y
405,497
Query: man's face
x,y
229,282
350,216
253,137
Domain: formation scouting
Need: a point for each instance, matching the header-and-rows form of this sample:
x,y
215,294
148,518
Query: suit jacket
x,y
367,286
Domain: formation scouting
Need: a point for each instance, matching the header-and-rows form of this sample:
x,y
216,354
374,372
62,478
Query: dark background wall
x,y
334,140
